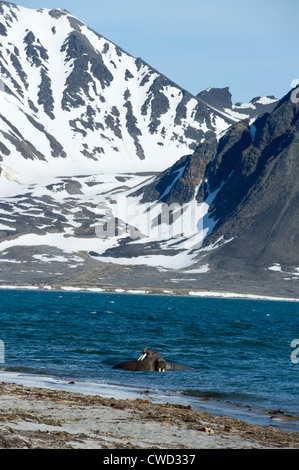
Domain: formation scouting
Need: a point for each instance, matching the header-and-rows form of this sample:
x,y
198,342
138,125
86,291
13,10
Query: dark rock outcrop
x,y
256,172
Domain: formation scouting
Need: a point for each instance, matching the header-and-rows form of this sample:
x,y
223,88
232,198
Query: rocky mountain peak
x,y
219,98
116,111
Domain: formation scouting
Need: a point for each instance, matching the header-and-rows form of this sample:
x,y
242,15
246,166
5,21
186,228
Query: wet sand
x,y
36,418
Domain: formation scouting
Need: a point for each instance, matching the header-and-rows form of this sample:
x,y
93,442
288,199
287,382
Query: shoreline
x,y
250,413
33,417
262,415
176,292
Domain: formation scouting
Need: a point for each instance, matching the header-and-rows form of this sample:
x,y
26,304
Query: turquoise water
x,y
239,350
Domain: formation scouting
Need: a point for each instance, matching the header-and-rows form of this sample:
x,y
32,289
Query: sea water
x,y
240,352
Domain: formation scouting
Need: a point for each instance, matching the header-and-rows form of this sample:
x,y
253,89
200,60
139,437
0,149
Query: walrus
x,y
150,360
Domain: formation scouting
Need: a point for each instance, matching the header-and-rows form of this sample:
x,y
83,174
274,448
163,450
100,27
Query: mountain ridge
x,y
115,110
265,188
97,90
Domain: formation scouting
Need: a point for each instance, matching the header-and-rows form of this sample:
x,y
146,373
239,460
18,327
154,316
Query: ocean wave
x,y
217,395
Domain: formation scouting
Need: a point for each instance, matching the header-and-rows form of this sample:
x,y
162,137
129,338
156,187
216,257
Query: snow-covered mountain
x,y
73,98
247,186
105,164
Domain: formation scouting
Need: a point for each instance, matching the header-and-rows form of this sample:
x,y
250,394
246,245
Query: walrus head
x,y
159,363
149,352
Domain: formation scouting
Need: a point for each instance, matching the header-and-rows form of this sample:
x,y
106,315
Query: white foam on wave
x,y
86,388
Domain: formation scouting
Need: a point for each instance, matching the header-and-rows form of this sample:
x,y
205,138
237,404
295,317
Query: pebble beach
x,y
37,418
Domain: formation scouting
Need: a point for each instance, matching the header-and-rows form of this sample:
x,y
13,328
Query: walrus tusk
x,y
161,369
142,357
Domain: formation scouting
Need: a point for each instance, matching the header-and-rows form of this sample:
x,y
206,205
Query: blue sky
x,y
251,46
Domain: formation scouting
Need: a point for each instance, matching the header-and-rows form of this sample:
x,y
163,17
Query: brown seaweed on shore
x,y
43,418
